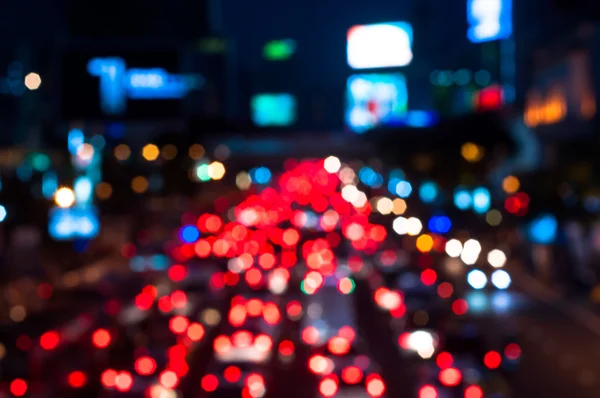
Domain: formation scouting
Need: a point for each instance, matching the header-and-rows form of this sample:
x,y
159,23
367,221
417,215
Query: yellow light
x,y
169,152
385,206
85,152
399,206
424,243
216,170
471,152
122,152
139,184
196,151
104,190
33,81
243,180
511,184
64,197
150,152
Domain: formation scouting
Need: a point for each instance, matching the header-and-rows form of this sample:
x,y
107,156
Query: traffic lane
x,y
374,326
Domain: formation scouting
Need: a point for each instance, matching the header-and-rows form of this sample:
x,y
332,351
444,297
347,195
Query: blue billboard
x,y
489,20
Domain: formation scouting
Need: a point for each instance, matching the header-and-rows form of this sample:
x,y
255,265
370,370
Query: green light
x,y
303,288
279,50
40,161
202,172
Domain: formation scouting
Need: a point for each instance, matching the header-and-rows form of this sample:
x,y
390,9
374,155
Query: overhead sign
x,y
489,20
73,223
382,45
117,83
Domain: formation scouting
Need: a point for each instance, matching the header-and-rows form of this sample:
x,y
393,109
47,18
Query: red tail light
x,y
352,375
328,387
271,314
512,351
286,348
428,392
375,385
168,379
209,383
101,338
145,366
18,387
450,377
492,360
263,343
242,339
347,332
232,374
179,324
338,345
108,378
195,331
237,315
444,360
77,379
403,340
49,340
310,335
473,392
317,364
123,381
222,344
254,307
255,381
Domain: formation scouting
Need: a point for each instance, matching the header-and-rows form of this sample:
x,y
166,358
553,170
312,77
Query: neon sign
x,y
489,20
117,83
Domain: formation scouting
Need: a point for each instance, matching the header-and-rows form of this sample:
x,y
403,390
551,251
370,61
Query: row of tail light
x,y
242,339
328,387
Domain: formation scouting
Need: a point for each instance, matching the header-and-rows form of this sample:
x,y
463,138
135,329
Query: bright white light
x,y
2,213
400,226
277,283
414,226
360,200
501,279
420,339
426,352
380,45
64,197
33,81
83,189
349,193
496,258
477,279
470,252
332,164
453,248
489,20
385,206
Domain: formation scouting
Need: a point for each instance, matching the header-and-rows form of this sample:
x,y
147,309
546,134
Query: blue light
x,y
73,223
392,183
428,191
403,189
83,189
397,174
2,213
489,20
260,175
462,199
481,200
75,139
159,262
189,234
24,172
273,109
117,83
421,119
439,224
49,184
543,229
368,176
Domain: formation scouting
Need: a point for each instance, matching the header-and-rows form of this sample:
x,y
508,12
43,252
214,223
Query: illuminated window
x,y
374,100
381,45
273,109
489,20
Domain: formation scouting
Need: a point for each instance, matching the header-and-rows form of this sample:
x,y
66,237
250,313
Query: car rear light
x,y
123,381
168,379
254,307
352,375
286,348
347,332
77,379
271,314
450,377
263,343
294,310
237,315
512,351
222,344
428,392
108,378
178,299
145,366
404,341
101,338
317,364
310,335
232,374
375,385
49,340
338,345
242,339
209,383
473,392
328,387
492,360
195,331
18,387
444,360
179,324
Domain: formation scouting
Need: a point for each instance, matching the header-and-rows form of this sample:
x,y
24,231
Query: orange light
x,y
145,366
195,331
101,338
222,344
49,340
375,386
254,307
286,348
291,237
310,335
123,381
77,379
18,387
338,345
317,364
473,392
428,392
271,314
450,377
209,383
202,248
237,315
168,379
328,387
179,324
108,378
232,374
253,277
352,375
266,261
346,286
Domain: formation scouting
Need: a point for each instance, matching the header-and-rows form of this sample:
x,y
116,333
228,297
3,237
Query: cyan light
x,y
83,189
2,213
73,223
428,191
189,234
481,200
368,176
477,279
543,229
403,189
260,175
462,199
75,139
273,109
49,184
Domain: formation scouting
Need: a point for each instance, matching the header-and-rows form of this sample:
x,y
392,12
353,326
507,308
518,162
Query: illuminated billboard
x,y
489,20
375,100
275,110
382,45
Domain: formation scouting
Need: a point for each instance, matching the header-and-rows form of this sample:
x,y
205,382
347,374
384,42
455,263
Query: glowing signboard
x,y
273,109
117,83
489,20
73,223
382,45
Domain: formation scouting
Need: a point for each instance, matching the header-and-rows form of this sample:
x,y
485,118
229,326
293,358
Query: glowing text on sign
x,y
489,20
383,45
